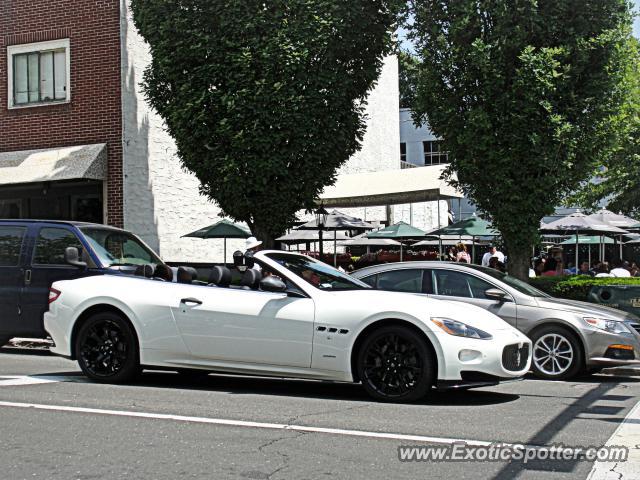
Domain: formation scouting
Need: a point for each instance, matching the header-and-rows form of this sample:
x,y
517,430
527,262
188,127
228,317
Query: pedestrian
x,y
252,246
620,268
634,270
462,255
496,264
492,251
451,254
552,268
584,269
538,265
602,270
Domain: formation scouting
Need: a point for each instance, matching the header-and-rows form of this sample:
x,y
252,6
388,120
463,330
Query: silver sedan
x,y
569,337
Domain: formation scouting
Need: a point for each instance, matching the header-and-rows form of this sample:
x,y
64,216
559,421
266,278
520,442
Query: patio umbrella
x,y
578,223
473,227
222,229
614,219
336,221
399,231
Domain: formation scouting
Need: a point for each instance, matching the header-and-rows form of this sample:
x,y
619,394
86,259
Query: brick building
x,y
78,140
59,95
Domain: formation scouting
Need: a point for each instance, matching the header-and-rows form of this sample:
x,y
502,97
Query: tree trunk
x,y
262,233
519,259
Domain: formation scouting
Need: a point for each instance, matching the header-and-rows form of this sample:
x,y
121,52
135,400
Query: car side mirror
x,y
495,294
72,257
272,284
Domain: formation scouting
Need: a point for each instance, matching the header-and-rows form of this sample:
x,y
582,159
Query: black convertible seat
x,y
145,270
187,274
251,278
163,272
220,276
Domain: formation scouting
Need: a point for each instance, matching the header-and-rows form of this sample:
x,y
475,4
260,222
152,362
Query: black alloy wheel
x,y
396,365
107,349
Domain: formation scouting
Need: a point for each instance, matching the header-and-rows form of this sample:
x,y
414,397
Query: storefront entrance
x,y
79,200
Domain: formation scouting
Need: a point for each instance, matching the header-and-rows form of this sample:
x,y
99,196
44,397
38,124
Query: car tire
x,y
106,347
396,365
557,354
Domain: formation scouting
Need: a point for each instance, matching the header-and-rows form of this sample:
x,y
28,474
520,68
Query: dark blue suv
x,y
35,253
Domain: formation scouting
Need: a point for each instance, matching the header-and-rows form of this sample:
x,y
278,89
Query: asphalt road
x,y
68,428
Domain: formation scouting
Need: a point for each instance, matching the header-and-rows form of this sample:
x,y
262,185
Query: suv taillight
x,y
53,295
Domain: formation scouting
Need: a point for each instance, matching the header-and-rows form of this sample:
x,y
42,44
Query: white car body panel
x,y
265,333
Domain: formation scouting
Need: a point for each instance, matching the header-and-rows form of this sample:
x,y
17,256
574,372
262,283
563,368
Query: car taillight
x,y
53,295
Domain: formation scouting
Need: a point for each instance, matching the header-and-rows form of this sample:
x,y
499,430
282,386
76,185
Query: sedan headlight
x,y
611,326
459,329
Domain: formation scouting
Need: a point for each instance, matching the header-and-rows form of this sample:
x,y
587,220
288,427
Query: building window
x,y
432,153
403,152
38,73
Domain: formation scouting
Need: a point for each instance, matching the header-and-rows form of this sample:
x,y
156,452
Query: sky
x,y
636,23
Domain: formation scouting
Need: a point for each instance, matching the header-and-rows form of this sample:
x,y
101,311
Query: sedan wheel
x,y
556,354
106,349
396,365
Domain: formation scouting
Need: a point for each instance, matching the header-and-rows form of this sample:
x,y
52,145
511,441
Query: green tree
x,y
617,179
407,69
265,100
523,92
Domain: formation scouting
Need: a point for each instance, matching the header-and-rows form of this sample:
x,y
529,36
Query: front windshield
x,y
318,274
118,248
517,284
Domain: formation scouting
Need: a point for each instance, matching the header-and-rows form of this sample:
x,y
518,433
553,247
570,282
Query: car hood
x,y
584,308
424,307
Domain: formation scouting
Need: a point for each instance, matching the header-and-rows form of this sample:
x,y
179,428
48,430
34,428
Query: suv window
x,y
405,280
10,245
51,244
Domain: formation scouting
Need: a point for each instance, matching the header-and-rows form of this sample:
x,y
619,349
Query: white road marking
x,y
19,380
628,435
242,423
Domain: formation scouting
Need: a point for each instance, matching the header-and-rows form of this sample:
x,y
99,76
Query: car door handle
x,y
191,300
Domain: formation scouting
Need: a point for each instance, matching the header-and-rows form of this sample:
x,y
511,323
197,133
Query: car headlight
x,y
608,325
459,329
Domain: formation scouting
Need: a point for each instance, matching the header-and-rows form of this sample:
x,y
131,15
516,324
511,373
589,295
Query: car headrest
x,y
187,274
163,272
251,278
249,261
238,258
145,270
220,276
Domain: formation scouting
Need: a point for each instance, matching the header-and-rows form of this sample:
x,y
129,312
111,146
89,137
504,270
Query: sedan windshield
x,y
318,274
118,248
515,283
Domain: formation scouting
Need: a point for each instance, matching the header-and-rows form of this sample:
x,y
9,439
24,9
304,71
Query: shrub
x,y
577,287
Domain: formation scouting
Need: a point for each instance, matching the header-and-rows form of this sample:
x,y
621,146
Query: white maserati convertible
x,y
291,317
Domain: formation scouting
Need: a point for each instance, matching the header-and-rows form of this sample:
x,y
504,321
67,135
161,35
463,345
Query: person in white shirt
x,y
493,252
619,269
253,245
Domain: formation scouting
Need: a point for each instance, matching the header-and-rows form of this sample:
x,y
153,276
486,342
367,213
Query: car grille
x,y
514,357
636,327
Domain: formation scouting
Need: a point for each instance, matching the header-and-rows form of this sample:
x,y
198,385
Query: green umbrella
x,y
587,240
399,231
474,227
222,229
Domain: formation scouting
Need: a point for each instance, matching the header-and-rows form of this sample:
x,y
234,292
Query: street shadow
x,y
242,385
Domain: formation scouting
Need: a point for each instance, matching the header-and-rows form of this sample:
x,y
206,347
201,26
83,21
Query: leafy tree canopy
x,y
407,69
265,100
524,93
617,179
